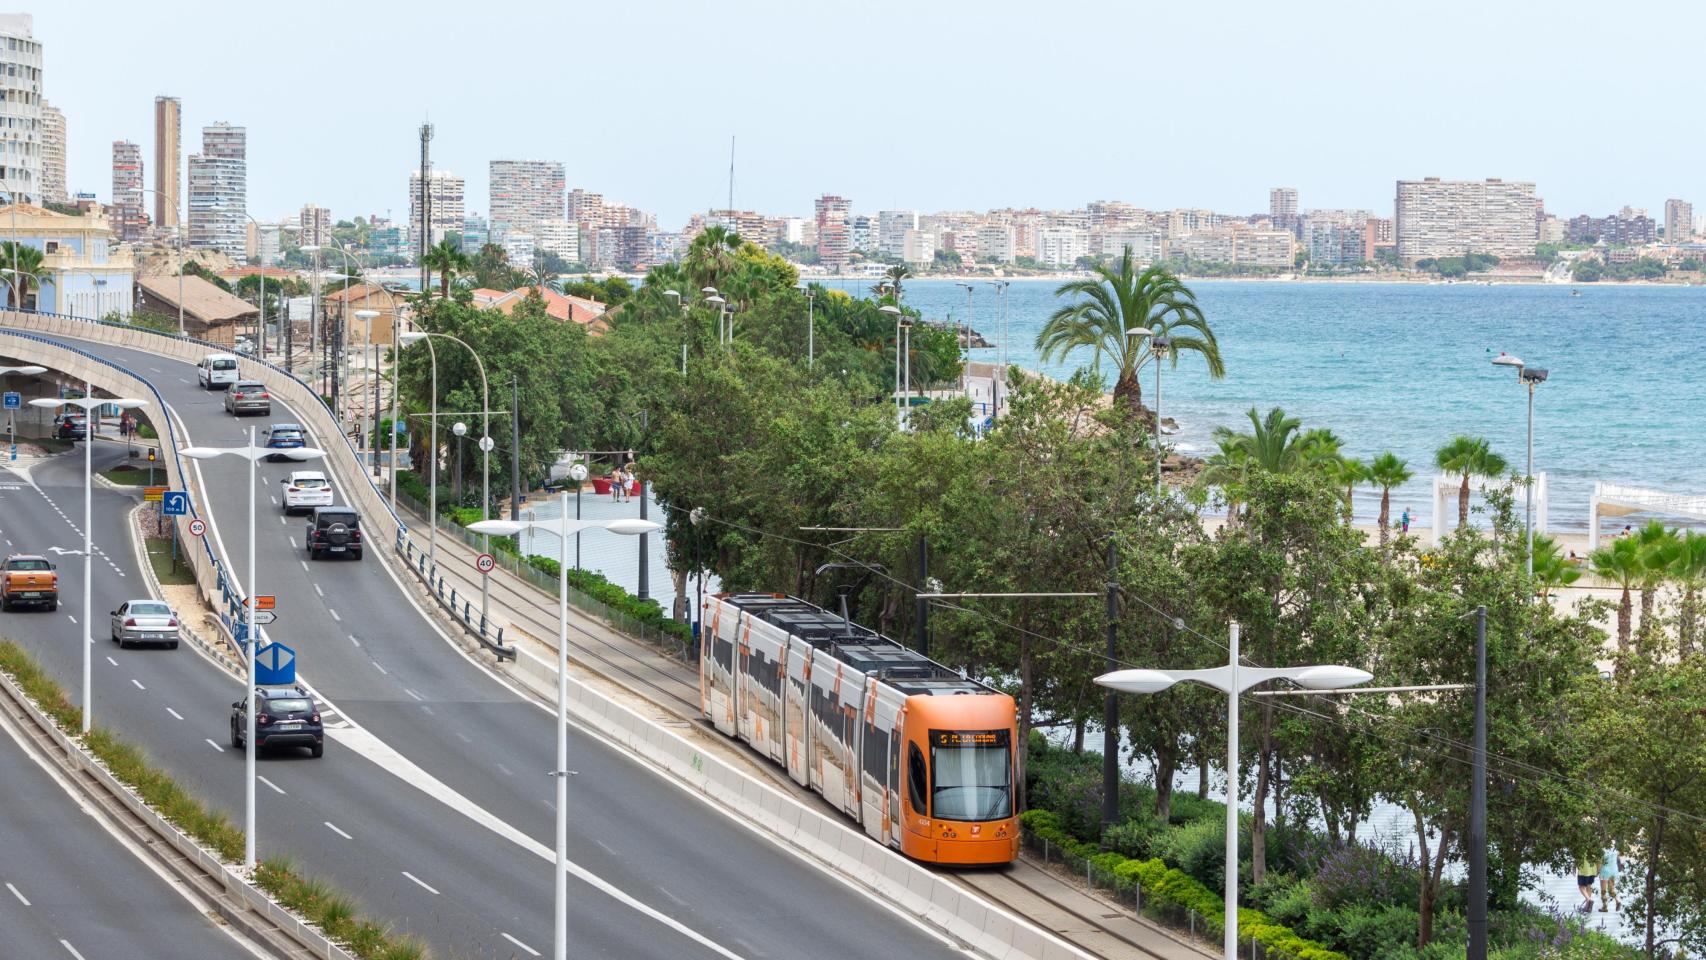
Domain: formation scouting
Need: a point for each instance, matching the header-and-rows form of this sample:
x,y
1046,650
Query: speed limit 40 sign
x,y
485,563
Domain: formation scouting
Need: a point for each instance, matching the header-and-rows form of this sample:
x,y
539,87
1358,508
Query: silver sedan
x,y
145,621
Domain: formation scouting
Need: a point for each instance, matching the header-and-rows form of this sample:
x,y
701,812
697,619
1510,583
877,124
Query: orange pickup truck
x,y
27,580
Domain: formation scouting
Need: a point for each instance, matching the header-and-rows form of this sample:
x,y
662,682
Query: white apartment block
x,y
1061,247
995,243
1449,218
793,230
219,191
445,207
313,226
519,248
918,246
53,154
1265,248
524,192
891,230
127,215
1147,246
20,109
1282,203
559,237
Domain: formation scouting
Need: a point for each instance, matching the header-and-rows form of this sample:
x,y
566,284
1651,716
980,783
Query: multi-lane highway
x,y
433,803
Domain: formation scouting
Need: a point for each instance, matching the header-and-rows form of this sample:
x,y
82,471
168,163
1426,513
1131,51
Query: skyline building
x,y
834,239
313,226
1450,218
1679,221
168,154
891,231
20,109
129,220
53,154
219,191
445,208
524,192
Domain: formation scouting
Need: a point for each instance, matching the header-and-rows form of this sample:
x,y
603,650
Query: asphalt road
x,y
70,889
366,648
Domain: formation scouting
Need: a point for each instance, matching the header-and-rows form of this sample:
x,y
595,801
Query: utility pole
x,y
1111,703
514,449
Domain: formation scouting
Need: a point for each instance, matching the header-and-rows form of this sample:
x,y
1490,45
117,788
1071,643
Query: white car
x,y
305,490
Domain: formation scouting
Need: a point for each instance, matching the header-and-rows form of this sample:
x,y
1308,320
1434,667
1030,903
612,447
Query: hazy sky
x,y
929,104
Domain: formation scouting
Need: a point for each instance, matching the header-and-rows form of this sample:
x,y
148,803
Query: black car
x,y
284,717
71,426
334,530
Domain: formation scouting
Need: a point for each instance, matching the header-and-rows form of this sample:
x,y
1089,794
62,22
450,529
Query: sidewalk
x,y
671,687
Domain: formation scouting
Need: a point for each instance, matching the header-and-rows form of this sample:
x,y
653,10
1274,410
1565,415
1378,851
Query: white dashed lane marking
x,y
530,951
112,661
423,885
334,613
21,898
275,787
138,683
174,713
213,745
73,950
333,827
413,694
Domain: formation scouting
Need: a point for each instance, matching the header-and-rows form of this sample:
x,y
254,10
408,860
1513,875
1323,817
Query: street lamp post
x,y
1530,377
1232,680
811,326
91,418
964,333
563,528
253,454
890,310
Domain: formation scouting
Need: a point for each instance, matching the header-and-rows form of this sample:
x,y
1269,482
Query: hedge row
x,y
594,585
1173,887
335,914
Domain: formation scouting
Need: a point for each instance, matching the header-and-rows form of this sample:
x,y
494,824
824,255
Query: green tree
x,y
1121,299
711,256
1468,457
897,276
1387,471
23,263
1551,568
1688,569
1657,547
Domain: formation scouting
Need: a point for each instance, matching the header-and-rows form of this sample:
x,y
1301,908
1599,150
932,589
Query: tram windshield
x,y
972,774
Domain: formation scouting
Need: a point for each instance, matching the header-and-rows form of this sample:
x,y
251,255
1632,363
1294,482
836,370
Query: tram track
x,y
1087,930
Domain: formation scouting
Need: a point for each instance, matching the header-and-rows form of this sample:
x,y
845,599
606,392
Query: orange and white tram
x,y
920,756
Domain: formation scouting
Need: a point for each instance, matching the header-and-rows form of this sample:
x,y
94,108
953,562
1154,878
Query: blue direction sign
x,y
175,503
275,664
14,400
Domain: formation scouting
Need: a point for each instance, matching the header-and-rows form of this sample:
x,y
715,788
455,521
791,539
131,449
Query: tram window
x,y
916,777
973,772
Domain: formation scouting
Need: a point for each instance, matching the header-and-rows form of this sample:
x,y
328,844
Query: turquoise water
x,y
1404,367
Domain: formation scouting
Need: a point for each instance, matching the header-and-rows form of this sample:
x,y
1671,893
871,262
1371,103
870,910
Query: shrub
x,y
1133,838
1198,848
1356,874
647,612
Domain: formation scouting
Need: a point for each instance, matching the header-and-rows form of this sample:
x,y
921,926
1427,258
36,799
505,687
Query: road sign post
x,y
485,563
175,503
198,526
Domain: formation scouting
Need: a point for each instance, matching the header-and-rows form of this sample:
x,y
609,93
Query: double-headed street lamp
x,y
1532,377
1232,680
253,454
563,527
486,446
91,415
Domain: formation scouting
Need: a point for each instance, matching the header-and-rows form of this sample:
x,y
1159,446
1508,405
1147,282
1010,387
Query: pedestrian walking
x,y
1586,872
1404,520
617,482
1609,869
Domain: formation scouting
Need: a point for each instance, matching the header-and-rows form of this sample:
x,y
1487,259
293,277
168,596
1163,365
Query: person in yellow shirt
x,y
1587,870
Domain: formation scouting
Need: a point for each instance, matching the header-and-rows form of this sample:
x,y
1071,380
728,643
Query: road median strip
x,y
338,929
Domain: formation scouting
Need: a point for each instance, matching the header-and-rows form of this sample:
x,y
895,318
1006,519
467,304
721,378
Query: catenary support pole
x,y
1234,687
1478,800
1111,703
515,448
922,612
559,942
249,719
91,420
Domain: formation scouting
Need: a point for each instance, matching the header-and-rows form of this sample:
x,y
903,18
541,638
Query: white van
x,y
217,371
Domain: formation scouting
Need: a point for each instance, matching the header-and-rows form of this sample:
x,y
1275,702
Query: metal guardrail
x,y
460,608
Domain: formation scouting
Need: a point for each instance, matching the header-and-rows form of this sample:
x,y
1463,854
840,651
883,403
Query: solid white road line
x,y
174,713
334,829
73,950
423,885
275,787
21,898
530,950
213,745
138,683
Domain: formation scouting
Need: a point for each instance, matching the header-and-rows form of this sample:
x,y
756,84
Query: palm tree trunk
x,y
1624,610
1463,502
1128,396
1647,626
1385,512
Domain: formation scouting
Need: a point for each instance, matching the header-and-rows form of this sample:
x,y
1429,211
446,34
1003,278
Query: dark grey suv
x,y
333,530
284,717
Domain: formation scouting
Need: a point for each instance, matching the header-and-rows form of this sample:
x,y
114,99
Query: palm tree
x,y
1469,457
1657,547
1551,568
710,256
446,259
1688,568
895,275
1226,470
1387,471
1118,299
1620,562
26,261
1348,472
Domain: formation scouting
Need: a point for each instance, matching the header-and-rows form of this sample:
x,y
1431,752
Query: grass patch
x,y
129,476
336,914
160,558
